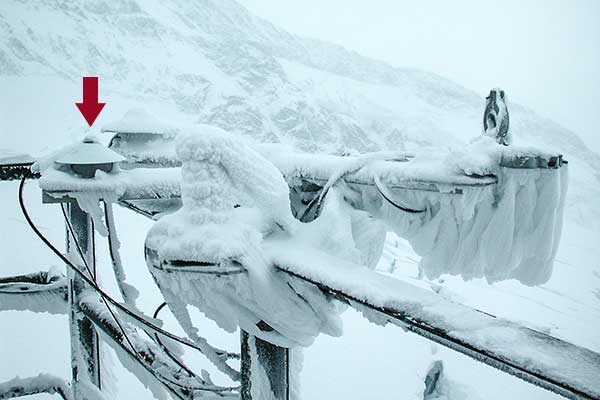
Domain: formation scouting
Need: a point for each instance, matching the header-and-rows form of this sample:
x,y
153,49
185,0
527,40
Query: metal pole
x,y
273,360
85,352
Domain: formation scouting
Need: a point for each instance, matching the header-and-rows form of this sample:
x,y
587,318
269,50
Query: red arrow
x,y
90,108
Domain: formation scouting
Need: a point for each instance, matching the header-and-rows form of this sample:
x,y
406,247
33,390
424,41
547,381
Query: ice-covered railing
x,y
482,211
211,249
241,257
13,165
487,210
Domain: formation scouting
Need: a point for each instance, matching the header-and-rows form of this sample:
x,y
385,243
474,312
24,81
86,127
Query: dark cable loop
x,y
164,348
383,192
87,267
105,296
118,305
133,351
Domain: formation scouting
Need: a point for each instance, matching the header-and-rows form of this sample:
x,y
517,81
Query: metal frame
x,y
273,359
84,338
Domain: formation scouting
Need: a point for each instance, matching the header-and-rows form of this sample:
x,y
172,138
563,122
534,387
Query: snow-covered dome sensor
x,y
87,157
143,140
139,121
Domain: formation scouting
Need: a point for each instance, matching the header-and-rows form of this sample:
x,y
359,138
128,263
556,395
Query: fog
x,y
545,54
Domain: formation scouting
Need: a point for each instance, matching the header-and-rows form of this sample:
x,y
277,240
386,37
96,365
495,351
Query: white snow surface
x,y
8,157
508,230
58,181
139,120
42,383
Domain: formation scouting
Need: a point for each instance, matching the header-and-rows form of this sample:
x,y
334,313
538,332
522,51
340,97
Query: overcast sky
x,y
545,54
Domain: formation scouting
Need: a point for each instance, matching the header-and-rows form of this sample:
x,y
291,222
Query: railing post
x,y
85,352
263,366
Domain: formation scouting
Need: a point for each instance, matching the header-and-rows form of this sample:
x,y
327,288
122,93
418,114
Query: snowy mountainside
x,y
214,59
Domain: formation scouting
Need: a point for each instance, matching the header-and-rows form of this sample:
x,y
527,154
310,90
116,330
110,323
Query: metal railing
x,y
91,310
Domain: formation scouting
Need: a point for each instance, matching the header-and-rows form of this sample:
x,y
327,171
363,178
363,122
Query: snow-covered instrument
x,y
227,241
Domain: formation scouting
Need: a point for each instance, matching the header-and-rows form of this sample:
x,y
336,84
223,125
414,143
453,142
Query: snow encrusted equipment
x,y
277,243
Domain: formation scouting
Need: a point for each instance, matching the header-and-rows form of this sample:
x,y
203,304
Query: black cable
x,y
154,337
118,305
105,296
133,351
87,267
317,202
165,349
135,354
383,192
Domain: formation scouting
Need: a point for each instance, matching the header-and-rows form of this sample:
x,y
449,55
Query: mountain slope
x,y
212,61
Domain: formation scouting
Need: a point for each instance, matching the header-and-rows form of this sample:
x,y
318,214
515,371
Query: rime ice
x,y
234,198
510,230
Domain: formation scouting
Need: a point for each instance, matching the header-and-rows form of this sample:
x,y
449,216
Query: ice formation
x,y
45,292
103,186
482,217
233,199
396,301
129,292
143,139
260,388
510,230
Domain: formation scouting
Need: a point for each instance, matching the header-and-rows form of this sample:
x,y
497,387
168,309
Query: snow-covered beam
x,y
14,171
533,356
155,150
44,291
138,184
43,383
425,172
144,358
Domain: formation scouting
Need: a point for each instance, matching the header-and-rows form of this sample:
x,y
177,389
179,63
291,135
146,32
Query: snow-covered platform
x,y
13,165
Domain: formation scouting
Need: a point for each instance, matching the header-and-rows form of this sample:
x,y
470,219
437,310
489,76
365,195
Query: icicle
x,y
129,293
89,202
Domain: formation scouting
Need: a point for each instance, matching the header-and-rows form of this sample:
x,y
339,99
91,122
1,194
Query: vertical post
x,y
85,353
263,366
